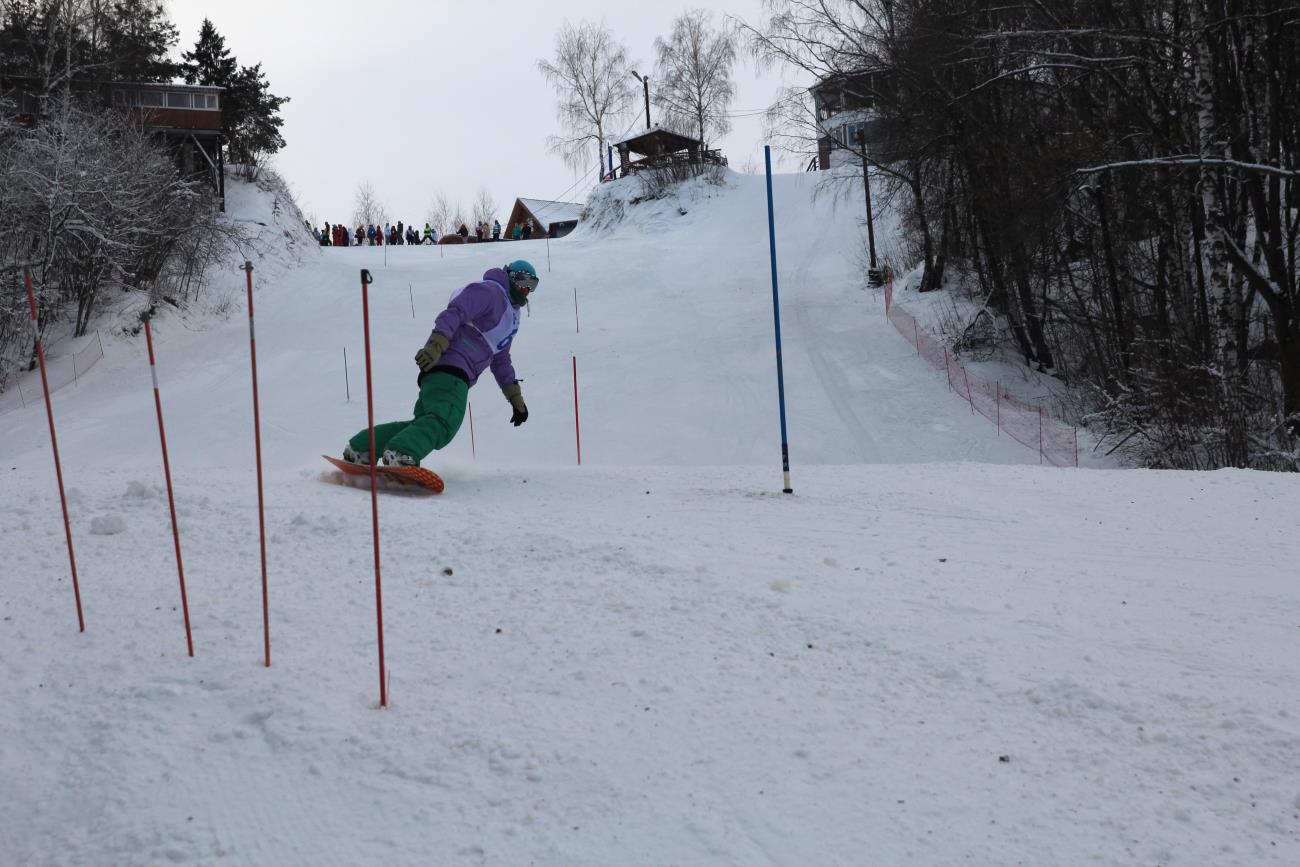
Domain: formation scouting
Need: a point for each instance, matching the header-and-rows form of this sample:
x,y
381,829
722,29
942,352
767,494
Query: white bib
x,y
498,337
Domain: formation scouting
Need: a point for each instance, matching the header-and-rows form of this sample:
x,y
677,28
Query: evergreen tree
x,y
250,113
56,45
135,39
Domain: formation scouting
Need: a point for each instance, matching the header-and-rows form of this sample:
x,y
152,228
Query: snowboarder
x,y
473,332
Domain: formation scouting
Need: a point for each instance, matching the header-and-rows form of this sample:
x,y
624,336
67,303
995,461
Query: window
x,y
847,135
151,98
178,100
209,102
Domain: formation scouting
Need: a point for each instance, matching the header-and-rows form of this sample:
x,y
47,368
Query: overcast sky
x,y
417,97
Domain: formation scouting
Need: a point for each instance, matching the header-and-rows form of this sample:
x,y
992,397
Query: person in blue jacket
x,y
473,333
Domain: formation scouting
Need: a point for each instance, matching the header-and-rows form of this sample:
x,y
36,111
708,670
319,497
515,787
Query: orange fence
x,y
1057,443
61,371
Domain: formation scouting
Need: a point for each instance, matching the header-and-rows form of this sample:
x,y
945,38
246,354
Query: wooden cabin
x,y
187,117
550,219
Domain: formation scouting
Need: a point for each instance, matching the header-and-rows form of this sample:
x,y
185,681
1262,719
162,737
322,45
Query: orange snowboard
x,y
413,477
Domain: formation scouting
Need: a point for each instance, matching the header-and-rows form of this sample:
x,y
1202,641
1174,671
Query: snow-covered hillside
x,y
934,652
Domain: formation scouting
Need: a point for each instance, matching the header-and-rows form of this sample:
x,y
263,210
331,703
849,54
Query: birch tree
x,y
591,77
694,86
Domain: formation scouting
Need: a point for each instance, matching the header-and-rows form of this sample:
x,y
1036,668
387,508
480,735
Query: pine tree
x,y
250,113
210,63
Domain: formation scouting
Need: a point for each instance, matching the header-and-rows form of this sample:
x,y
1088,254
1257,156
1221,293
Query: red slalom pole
x,y
171,501
54,442
366,280
473,450
257,439
577,431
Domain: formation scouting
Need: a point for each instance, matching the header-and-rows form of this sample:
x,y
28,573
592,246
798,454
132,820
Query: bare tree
x,y
485,207
439,213
694,69
590,76
368,210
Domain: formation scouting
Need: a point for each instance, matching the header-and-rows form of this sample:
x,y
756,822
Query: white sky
x,y
417,97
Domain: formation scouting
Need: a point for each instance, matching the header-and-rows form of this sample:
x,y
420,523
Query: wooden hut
x,y
549,219
659,148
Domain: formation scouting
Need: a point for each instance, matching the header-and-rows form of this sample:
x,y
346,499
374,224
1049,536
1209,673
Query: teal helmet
x,y
523,276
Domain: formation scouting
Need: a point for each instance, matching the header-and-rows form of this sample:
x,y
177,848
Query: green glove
x,y
515,395
428,356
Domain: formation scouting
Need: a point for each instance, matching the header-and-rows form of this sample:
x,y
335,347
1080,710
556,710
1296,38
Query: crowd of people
x,y
396,234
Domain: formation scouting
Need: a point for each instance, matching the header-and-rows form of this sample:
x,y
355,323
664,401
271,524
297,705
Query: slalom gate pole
x,y
473,450
411,292
54,442
366,280
776,315
577,329
548,254
577,430
257,441
171,499
1040,434
347,388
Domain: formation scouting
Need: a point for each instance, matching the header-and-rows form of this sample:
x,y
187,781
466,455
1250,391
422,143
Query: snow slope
x,y
933,653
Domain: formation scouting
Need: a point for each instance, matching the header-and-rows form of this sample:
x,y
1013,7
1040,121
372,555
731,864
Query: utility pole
x,y
874,276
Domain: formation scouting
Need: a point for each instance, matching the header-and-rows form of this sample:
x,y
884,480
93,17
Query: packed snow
x,y
934,652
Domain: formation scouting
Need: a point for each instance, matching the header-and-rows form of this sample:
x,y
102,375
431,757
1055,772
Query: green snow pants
x,y
439,411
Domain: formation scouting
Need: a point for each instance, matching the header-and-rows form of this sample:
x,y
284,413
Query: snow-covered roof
x,y
547,212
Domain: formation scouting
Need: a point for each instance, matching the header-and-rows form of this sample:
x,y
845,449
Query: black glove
x,y
515,395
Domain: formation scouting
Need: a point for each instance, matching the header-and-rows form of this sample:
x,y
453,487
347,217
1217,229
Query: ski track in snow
x,y
657,657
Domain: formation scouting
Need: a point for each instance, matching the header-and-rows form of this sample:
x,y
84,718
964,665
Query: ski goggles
x,y
523,281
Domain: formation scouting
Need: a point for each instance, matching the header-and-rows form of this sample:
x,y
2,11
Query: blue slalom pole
x,y
776,315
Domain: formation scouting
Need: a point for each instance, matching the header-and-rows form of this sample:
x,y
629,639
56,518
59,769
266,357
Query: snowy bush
x,y
91,203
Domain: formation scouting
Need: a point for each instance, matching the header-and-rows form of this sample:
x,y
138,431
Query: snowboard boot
x,y
361,458
397,459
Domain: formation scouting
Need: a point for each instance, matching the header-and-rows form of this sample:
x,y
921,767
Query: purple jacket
x,y
480,323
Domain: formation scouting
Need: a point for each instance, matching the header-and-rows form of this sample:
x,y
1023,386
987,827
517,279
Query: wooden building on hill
x,y
847,114
661,148
184,118
549,219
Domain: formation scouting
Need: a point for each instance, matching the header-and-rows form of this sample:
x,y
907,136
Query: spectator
x,y
361,235
428,232
463,232
496,230
401,232
517,232
370,234
528,229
